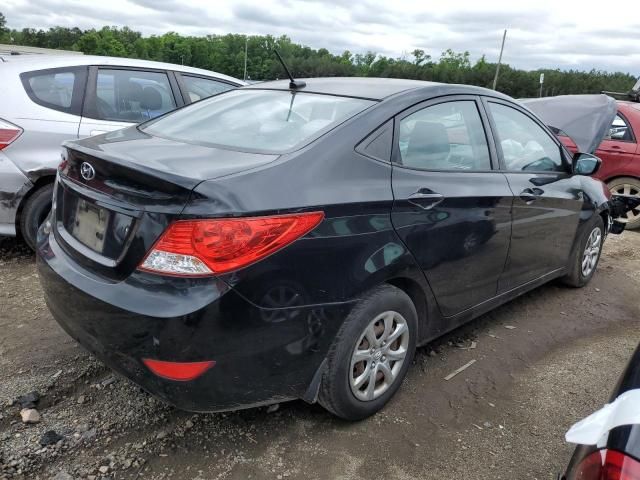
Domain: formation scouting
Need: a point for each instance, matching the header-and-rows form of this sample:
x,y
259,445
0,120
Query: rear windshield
x,y
272,121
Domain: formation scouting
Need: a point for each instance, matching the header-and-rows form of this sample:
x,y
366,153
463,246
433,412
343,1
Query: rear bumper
x,y
14,185
262,355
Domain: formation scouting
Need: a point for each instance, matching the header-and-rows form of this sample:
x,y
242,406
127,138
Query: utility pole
x,y
495,79
541,83
246,47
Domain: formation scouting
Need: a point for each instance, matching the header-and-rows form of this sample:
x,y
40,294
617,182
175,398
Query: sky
x,y
541,34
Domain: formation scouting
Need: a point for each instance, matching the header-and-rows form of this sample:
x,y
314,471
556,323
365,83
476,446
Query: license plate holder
x,y
90,225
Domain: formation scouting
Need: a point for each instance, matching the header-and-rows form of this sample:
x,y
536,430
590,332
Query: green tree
x,y
226,54
4,31
420,56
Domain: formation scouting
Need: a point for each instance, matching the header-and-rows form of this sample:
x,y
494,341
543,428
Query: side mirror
x,y
585,164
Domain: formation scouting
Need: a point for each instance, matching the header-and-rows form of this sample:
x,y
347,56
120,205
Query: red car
x,y
620,154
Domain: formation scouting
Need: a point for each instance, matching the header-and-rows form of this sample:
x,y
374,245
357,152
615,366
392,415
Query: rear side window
x,y
620,130
270,121
199,87
446,136
57,89
132,96
378,144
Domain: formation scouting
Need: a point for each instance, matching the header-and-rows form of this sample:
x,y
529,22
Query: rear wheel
x,y
587,254
371,354
34,212
627,186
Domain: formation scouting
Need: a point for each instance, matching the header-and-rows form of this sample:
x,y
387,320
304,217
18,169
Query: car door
x,y
451,209
118,97
618,149
547,198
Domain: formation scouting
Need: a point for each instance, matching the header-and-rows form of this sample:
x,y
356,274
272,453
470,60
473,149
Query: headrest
x,y
151,99
428,144
131,91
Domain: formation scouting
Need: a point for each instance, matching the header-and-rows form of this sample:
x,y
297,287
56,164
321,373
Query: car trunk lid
x,y
115,196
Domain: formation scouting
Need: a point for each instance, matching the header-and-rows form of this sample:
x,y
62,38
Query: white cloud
x,y
545,33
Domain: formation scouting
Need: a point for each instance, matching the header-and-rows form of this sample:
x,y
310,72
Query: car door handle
x,y
530,195
425,198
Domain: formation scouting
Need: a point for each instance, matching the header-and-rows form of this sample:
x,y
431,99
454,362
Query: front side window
x,y
53,89
446,136
525,145
271,121
132,96
199,87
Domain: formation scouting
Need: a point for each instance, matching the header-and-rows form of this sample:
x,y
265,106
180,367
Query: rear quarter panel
x,y
351,251
38,148
37,151
344,255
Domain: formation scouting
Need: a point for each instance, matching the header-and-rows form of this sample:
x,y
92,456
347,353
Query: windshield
x,y
272,121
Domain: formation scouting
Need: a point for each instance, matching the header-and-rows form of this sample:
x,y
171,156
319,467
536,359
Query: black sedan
x,y
610,438
287,241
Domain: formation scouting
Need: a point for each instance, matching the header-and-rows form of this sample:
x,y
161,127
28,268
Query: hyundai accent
x,y
298,241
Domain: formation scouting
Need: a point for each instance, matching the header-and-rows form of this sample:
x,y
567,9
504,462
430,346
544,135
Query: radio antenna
x,y
293,83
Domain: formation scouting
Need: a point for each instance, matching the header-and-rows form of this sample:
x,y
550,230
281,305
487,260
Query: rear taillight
x,y
205,247
607,465
8,133
64,159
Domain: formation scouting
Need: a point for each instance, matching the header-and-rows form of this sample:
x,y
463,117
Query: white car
x,y
47,99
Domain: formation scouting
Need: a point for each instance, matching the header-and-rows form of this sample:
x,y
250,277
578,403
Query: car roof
x,y
25,63
371,87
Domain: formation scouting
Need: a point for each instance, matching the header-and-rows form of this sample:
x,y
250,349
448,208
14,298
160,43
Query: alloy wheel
x,y
378,356
628,189
591,252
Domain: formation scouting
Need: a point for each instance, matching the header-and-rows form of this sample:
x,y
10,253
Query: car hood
x,y
584,118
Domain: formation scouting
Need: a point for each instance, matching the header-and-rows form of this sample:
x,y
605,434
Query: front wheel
x,y
371,354
587,254
627,186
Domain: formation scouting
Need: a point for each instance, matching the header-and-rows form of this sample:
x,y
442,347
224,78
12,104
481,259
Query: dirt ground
x,y
502,418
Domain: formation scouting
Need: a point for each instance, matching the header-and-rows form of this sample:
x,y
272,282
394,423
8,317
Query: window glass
x,y
53,88
264,120
620,130
199,88
379,143
447,136
132,96
525,145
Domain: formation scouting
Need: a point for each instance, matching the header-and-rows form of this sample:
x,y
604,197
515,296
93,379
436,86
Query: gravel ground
x,y
502,418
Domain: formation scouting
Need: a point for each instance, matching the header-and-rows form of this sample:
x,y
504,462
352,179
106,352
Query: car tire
x,y
586,255
34,212
627,186
341,392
